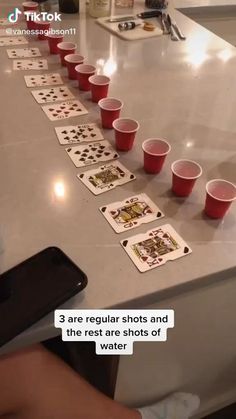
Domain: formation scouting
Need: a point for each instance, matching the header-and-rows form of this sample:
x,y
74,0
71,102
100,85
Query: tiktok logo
x,y
13,17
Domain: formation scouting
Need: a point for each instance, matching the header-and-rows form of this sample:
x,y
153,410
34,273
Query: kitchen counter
x,y
181,91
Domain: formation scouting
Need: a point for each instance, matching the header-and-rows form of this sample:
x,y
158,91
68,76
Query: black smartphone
x,y
36,287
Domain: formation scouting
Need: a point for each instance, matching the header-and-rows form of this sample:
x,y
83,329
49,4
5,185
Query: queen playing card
x,y
105,178
155,247
131,213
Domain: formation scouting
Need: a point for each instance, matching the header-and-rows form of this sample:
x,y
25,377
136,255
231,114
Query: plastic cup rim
x,y
220,199
92,69
126,131
154,154
110,98
68,47
30,4
99,84
73,62
186,177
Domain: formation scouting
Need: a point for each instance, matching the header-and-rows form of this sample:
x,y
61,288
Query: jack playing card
x,y
54,94
64,110
73,134
43,80
33,64
131,213
155,247
105,178
23,53
16,40
85,155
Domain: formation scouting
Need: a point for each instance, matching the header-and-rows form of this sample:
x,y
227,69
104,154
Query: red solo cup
x,y
125,131
155,152
42,26
83,72
64,49
53,40
72,60
219,196
110,110
99,87
185,173
30,5
31,24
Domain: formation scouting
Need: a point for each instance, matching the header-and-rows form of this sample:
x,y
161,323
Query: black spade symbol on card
x,y
64,132
122,174
90,129
67,138
125,242
73,131
131,176
158,214
77,152
115,155
113,212
104,209
186,249
82,159
81,176
93,135
107,153
93,149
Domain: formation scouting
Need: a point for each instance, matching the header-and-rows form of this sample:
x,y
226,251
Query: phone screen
x,y
35,287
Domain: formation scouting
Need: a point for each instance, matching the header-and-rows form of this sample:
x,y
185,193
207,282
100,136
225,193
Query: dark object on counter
x,y
69,6
35,288
44,5
156,4
127,26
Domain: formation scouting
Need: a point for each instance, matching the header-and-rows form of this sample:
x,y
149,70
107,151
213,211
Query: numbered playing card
x,y
73,134
105,178
23,53
85,155
5,22
43,80
131,213
17,40
64,110
54,94
155,247
36,64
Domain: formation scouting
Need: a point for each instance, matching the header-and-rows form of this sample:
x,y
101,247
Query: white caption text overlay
x,y
114,331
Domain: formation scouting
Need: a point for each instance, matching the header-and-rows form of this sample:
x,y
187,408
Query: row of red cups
x,y
219,193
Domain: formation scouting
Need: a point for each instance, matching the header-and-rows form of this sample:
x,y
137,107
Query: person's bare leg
x,y
36,384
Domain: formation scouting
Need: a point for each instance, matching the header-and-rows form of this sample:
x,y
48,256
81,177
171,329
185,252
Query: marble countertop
x,y
181,91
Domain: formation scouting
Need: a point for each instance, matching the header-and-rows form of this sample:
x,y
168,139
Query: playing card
x,y
85,155
155,247
23,53
131,213
105,178
54,94
33,64
73,134
64,110
43,80
5,22
16,40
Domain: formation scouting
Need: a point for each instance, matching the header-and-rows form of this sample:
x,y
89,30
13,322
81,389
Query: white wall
x,y
199,355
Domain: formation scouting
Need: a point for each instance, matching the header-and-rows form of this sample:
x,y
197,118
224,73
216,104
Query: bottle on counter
x,y
69,6
99,8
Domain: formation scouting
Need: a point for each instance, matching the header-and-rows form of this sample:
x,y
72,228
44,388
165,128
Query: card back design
x,y
106,177
75,134
131,213
85,155
155,247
